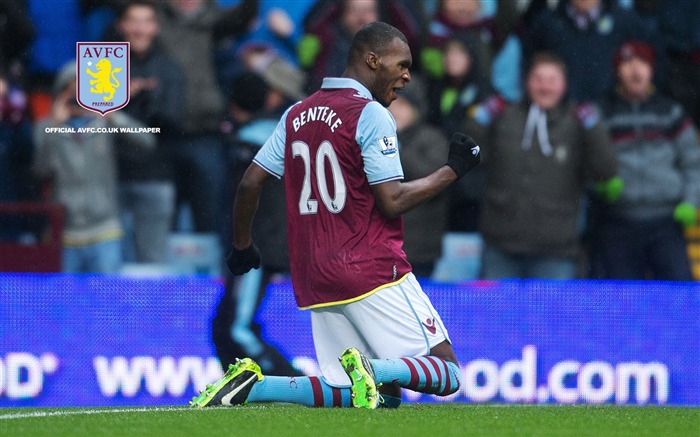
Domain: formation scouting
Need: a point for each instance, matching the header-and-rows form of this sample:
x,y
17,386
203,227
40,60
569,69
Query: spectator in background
x,y
15,153
286,81
324,48
277,30
331,24
659,158
586,33
423,148
279,26
488,34
147,188
538,156
461,85
234,331
82,170
449,99
189,30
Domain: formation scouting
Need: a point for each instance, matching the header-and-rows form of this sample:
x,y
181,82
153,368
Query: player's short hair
x,y
374,37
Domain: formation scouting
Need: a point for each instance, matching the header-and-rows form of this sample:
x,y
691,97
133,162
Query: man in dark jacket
x,y
147,188
586,33
539,155
659,158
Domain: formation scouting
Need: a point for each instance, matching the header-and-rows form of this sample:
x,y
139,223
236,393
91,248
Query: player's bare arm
x,y
395,197
246,204
244,255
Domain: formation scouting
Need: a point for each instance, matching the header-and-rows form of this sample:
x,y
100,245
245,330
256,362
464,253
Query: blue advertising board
x,y
109,340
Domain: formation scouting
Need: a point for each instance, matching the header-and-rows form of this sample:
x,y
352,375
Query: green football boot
x,y
233,388
364,388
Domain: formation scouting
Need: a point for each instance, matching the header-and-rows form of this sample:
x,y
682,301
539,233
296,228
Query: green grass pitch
x,y
409,420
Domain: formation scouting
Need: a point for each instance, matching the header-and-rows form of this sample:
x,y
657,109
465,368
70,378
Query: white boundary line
x,y
78,412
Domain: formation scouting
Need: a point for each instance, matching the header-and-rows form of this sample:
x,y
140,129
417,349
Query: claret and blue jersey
x,y
330,148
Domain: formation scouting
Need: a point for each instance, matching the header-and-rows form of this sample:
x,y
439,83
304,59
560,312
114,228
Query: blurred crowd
x,y
585,110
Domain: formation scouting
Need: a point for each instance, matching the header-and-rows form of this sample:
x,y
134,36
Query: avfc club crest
x,y
103,75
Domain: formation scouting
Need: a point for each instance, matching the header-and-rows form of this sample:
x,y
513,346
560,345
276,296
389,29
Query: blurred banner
x,y
109,340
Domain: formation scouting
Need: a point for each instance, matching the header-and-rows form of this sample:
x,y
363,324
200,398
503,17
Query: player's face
x,y
392,75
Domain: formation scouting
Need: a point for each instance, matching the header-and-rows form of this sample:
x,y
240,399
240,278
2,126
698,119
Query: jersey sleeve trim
x,y
355,299
273,173
387,179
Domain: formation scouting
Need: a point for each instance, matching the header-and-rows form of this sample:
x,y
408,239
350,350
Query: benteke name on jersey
x,y
317,113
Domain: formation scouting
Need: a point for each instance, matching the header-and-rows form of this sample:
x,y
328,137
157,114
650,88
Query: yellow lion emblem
x,y
103,79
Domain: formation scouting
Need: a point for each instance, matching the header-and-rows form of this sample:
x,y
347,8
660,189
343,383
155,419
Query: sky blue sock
x,y
310,391
426,374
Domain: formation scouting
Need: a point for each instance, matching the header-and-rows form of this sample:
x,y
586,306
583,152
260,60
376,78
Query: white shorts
x,y
397,321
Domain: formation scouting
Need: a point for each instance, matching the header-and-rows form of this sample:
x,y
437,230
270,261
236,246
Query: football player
x,y
337,152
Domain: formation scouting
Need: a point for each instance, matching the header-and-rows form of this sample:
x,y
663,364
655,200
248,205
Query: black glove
x,y
464,154
241,261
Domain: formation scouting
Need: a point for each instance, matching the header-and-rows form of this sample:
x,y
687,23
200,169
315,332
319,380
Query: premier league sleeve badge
x,y
388,146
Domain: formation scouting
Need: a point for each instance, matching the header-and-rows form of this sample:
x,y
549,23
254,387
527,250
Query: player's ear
x,y
373,60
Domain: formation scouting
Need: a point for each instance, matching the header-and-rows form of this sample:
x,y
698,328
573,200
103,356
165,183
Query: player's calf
x,y
427,374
